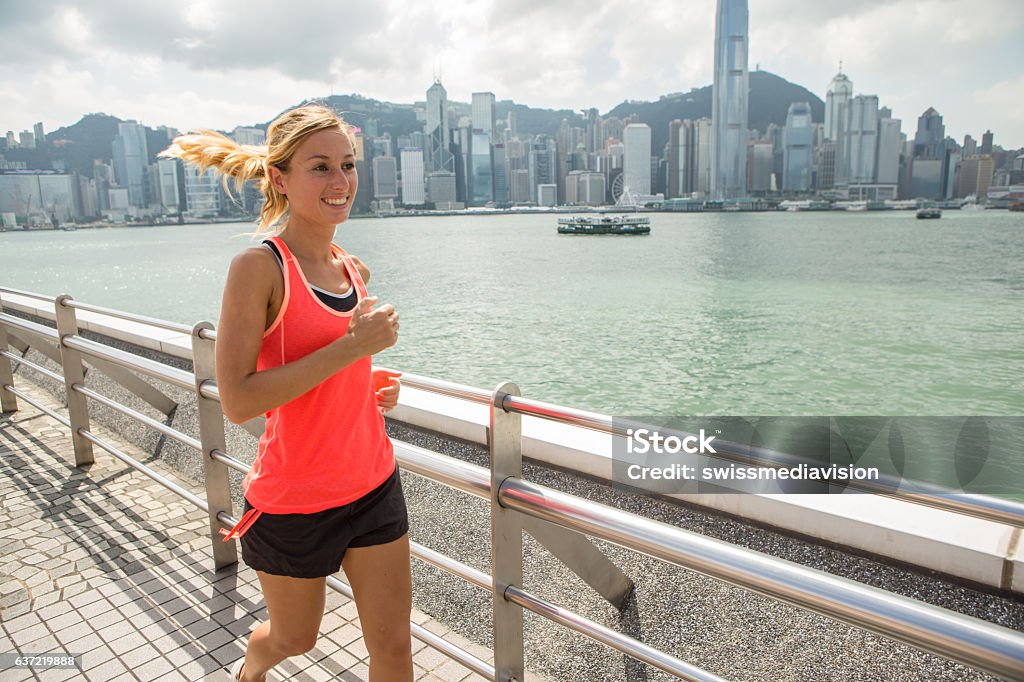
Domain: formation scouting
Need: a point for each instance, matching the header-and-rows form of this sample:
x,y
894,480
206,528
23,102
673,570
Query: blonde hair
x,y
243,162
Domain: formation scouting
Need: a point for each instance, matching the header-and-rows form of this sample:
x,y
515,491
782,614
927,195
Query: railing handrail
x,y
977,643
130,317
993,648
26,294
987,507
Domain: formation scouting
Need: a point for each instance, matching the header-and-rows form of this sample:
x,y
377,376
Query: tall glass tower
x,y
130,156
798,137
840,90
481,172
438,156
729,103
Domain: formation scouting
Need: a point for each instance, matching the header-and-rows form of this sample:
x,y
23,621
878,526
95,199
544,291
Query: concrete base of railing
x,y
983,552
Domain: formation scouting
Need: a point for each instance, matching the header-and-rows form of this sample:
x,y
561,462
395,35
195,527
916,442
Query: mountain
x,y
396,119
770,96
82,142
769,100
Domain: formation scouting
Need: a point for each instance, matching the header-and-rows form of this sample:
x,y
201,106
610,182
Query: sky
x,y
221,63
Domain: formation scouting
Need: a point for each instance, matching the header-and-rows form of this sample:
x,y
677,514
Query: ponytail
x,y
243,163
237,163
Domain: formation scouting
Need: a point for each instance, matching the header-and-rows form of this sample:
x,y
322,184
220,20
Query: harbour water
x,y
765,313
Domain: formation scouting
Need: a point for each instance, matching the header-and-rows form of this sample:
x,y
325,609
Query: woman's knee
x,y
293,643
389,643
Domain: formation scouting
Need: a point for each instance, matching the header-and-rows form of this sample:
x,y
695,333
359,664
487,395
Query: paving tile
x,y
430,658
228,653
106,671
94,656
57,675
129,642
21,622
452,671
44,645
357,648
123,574
30,634
154,669
116,630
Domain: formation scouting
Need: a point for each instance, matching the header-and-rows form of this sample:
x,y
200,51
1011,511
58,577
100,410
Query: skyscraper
x,y
840,90
681,150
131,155
986,142
975,176
890,144
385,177
970,146
729,101
797,157
760,167
637,163
481,176
500,164
860,139
543,164
930,135
704,134
414,186
438,155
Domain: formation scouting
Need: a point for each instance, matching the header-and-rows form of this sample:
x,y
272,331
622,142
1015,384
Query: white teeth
x,y
337,202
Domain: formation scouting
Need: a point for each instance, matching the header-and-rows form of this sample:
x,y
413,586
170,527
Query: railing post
x,y
8,401
211,435
505,444
74,373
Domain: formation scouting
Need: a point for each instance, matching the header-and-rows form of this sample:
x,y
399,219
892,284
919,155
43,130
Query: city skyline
x,y
200,65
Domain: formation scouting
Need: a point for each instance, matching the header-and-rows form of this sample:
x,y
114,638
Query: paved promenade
x,y
105,563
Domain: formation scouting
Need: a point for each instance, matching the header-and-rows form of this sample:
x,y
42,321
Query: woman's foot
x,y
236,670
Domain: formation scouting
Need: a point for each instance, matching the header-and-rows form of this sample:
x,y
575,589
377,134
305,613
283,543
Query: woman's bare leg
x,y
382,584
295,607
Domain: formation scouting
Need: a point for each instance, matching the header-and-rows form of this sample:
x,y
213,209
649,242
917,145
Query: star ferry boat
x,y
604,225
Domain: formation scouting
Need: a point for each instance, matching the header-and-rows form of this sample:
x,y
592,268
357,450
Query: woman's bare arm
x,y
246,393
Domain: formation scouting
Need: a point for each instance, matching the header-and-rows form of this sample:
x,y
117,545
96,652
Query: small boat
x,y
604,225
929,213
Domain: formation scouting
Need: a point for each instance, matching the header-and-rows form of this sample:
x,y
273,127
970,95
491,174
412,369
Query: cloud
x,y
193,62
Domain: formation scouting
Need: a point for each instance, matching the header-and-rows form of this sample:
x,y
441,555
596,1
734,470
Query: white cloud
x,y
227,62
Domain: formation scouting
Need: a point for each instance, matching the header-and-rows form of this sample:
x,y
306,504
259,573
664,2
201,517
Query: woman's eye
x,y
321,167
349,166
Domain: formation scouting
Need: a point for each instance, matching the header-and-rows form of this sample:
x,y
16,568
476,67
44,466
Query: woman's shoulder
x,y
255,262
255,257
364,271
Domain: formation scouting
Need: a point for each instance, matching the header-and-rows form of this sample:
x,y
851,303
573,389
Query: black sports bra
x,y
340,302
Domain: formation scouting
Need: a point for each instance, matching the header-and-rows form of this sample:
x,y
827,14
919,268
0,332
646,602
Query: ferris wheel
x,y
627,197
618,187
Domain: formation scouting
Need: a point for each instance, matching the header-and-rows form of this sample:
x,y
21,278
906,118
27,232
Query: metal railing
x,y
557,520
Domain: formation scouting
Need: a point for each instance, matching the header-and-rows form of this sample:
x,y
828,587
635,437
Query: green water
x,y
769,313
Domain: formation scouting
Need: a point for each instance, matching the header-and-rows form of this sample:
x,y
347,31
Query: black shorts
x,y
313,545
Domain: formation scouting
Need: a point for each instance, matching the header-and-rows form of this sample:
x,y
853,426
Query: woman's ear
x,y
276,179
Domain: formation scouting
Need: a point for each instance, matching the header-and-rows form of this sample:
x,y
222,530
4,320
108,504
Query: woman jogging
x,y
296,333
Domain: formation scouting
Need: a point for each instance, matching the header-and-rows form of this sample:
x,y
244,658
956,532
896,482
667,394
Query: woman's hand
x,y
385,388
372,331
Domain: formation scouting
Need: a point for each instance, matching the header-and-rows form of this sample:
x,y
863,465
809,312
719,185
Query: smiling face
x,y
320,181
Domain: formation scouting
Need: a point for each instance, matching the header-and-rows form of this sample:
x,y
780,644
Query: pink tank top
x,y
327,447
